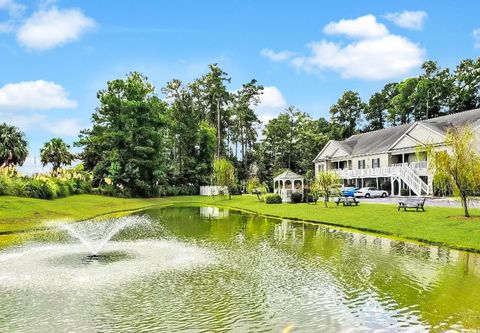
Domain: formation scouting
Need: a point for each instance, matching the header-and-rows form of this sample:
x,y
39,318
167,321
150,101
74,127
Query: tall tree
x,y
467,86
432,92
13,146
347,112
312,137
56,152
244,119
401,106
375,112
184,126
212,99
127,140
281,135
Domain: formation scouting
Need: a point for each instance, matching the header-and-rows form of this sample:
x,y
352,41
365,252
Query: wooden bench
x,y
412,204
347,201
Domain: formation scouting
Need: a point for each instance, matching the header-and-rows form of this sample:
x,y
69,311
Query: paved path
x,y
440,202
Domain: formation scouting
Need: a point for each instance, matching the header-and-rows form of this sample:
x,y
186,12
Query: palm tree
x,y
57,152
13,146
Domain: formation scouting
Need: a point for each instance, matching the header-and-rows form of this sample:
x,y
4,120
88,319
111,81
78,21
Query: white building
x,y
392,158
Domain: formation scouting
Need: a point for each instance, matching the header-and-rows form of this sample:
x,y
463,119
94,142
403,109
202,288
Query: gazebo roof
x,y
288,175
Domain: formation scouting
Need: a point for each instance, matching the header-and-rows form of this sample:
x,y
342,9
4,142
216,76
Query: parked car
x,y
348,191
370,192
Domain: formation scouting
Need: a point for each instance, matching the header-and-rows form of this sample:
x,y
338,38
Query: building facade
x,y
393,158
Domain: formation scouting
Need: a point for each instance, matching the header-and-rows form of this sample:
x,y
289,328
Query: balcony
x,y
419,168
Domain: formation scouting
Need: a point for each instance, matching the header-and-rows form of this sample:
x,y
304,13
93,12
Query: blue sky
x,y
55,55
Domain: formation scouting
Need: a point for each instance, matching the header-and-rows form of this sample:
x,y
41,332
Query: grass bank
x,y
435,226
438,225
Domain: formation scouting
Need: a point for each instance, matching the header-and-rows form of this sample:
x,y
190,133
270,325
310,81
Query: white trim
x,y
392,148
321,151
431,129
339,147
411,137
401,136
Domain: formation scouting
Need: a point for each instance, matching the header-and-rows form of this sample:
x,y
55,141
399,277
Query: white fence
x,y
213,190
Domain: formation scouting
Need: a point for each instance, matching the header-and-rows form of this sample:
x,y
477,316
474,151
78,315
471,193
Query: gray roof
x,y
381,140
288,175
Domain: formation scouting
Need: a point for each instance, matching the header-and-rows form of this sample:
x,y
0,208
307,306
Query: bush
x,y
273,198
59,184
173,190
404,192
296,197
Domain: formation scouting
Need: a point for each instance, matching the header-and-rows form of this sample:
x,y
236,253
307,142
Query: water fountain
x,y
95,235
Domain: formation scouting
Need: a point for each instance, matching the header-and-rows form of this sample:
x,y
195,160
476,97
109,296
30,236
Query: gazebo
x,y
287,183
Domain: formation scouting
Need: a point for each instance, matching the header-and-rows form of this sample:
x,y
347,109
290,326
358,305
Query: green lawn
x,y
25,213
436,225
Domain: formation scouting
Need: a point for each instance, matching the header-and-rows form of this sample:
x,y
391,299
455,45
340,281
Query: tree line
x,y
147,142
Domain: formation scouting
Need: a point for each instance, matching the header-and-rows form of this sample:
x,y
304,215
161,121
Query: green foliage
x,y
175,190
127,141
296,197
244,123
224,174
254,186
57,152
13,146
273,198
458,168
326,184
58,184
347,112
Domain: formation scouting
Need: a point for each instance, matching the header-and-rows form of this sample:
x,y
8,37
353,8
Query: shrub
x,y
404,192
51,185
296,197
273,198
173,190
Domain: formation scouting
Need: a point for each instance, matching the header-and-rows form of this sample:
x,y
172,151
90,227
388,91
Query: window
x,y
375,163
361,164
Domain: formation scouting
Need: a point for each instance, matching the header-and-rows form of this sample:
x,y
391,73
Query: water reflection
x,y
266,275
437,287
213,212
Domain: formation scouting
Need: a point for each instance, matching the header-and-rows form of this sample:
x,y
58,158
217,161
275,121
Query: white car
x,y
370,192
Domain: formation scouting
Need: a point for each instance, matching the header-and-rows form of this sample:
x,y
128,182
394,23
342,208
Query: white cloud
x,y
372,59
361,27
476,37
271,104
49,28
34,95
24,122
65,127
408,19
13,8
375,54
277,56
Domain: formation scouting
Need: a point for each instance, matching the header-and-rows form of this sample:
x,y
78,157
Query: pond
x,y
204,269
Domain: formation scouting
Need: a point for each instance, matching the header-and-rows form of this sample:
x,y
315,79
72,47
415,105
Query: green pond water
x,y
203,269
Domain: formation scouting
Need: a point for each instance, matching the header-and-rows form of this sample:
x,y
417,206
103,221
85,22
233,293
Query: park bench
x,y
417,203
347,201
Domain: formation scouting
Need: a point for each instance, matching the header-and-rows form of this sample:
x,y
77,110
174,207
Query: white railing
x,y
388,171
413,181
407,172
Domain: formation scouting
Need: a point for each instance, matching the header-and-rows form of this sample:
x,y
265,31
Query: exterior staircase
x,y
409,177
